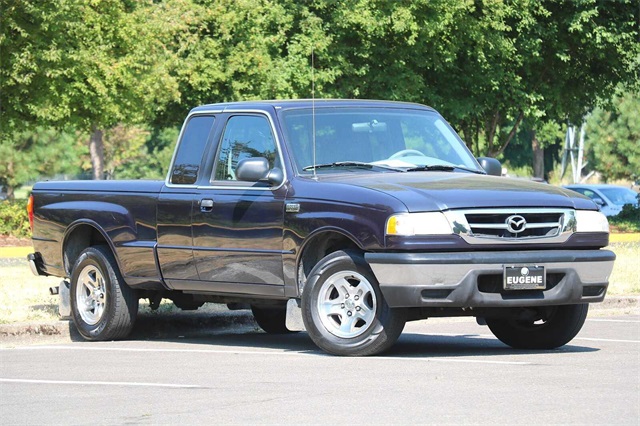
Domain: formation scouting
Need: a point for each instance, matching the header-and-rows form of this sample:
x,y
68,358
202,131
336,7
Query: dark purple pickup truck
x,y
345,218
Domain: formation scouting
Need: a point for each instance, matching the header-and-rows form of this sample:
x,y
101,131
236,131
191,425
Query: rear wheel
x,y
103,306
271,319
550,328
344,311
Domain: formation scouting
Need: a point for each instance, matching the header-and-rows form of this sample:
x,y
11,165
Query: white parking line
x,y
606,340
273,353
491,336
92,383
611,320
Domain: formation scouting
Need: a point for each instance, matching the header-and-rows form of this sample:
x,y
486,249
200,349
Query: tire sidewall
x,y
93,257
373,337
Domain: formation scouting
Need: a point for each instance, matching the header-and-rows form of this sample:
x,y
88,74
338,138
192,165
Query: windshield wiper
x,y
359,164
443,168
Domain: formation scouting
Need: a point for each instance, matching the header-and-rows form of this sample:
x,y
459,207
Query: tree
x,y
152,161
245,49
88,64
486,65
613,138
41,152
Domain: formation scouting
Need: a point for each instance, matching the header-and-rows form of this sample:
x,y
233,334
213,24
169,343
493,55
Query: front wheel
x,y
344,311
551,328
103,306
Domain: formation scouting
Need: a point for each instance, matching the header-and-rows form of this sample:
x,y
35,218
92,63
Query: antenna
x,y
313,111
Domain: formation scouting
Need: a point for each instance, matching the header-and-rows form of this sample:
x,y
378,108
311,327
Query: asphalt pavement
x,y
444,371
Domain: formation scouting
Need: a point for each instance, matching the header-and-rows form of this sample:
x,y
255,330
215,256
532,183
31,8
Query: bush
x,y
628,220
14,219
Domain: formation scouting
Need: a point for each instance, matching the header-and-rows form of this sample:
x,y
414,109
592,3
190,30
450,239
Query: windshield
x,y
620,196
388,137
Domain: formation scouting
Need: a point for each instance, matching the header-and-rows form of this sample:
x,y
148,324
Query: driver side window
x,y
244,137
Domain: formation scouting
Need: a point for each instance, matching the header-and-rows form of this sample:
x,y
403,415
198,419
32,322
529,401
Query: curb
x,y
148,326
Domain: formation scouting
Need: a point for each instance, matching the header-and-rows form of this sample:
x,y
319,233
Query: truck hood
x,y
431,191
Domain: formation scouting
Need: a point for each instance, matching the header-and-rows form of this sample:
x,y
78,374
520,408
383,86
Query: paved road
x,y
448,371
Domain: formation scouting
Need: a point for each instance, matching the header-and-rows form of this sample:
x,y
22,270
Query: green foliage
x,y
156,153
483,64
519,153
27,155
628,220
613,138
91,64
489,66
14,219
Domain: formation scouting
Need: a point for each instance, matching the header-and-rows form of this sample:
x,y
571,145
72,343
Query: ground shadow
x,y
238,329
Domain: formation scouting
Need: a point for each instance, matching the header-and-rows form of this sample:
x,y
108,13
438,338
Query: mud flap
x,y
294,320
64,300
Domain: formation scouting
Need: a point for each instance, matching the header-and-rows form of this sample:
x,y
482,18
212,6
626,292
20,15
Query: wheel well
x,y
318,247
81,237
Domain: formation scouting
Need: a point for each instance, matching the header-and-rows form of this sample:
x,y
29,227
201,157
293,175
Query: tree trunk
x,y
10,189
96,150
510,136
538,156
491,129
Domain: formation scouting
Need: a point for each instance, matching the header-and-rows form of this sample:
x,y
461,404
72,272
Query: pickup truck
x,y
344,218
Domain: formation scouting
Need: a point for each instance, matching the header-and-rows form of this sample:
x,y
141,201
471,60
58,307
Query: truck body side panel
x,y
122,216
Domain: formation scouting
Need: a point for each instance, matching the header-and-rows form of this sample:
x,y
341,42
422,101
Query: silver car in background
x,y
610,198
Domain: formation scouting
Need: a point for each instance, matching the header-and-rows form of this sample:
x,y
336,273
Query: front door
x,y
237,226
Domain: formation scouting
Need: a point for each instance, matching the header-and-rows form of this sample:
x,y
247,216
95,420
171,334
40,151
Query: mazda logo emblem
x,y
516,224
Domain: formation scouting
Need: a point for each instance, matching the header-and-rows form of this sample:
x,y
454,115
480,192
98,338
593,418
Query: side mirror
x,y
599,201
275,176
256,169
491,166
252,169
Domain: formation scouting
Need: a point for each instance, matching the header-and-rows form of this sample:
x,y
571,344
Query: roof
x,y
593,186
308,103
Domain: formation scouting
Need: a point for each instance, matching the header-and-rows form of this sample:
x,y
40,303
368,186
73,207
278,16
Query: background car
x,y
610,198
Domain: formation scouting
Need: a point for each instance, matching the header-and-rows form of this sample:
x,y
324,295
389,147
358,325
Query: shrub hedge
x,y
14,219
628,220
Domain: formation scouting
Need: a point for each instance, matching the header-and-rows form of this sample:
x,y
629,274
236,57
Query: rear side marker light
x,y
30,211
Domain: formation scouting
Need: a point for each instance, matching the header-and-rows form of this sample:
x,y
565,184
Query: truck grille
x,y
513,226
496,224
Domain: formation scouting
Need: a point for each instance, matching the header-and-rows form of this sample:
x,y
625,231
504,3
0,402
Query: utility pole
x,y
574,153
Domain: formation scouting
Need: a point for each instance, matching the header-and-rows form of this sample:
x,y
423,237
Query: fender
x,y
95,226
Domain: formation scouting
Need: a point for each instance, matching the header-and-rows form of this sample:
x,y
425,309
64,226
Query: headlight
x,y
591,221
408,224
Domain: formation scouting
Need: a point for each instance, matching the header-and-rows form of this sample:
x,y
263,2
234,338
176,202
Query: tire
x,y
344,311
554,327
272,319
103,306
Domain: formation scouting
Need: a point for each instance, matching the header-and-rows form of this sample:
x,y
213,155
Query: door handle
x,y
206,205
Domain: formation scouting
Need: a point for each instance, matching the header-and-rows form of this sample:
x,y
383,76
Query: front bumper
x,y
474,279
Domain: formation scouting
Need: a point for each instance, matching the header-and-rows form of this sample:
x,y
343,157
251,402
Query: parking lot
x,y
440,371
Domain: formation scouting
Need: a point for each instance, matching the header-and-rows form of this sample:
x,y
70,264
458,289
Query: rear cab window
x,y
189,157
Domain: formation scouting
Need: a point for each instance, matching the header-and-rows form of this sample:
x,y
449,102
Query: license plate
x,y
524,278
